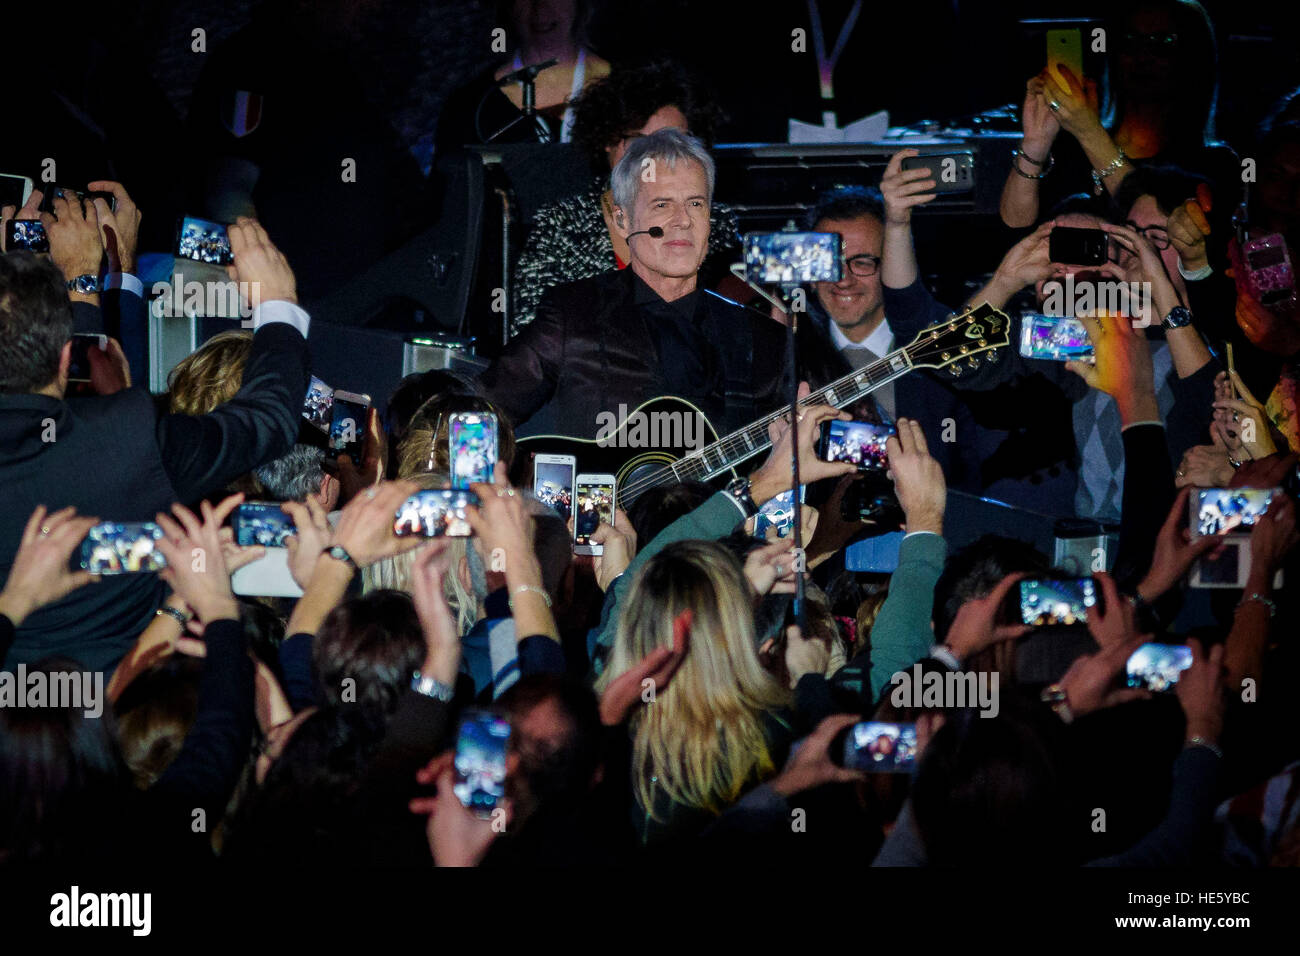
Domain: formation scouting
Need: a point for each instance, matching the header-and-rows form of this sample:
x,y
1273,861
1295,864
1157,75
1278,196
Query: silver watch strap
x,y
432,687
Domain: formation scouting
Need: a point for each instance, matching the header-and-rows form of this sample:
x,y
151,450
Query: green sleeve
x,y
902,634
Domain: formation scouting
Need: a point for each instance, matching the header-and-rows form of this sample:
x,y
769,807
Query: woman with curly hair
x,y
574,238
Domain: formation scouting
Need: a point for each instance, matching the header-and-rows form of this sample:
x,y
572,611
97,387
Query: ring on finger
x,y
1054,106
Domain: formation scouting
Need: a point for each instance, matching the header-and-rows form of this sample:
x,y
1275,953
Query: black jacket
x,y
589,350
114,457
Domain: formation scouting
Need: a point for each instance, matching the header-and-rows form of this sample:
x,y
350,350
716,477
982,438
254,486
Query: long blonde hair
x,y
394,573
702,738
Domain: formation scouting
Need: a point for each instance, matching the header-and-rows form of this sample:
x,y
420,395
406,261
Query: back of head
x,y
659,507
976,569
61,775
35,322
987,791
366,650
154,714
426,445
295,475
211,375
703,738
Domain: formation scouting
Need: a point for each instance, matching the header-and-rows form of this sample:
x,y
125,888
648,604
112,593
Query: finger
x,y
1204,199
682,630
1085,371
33,528
227,505
188,520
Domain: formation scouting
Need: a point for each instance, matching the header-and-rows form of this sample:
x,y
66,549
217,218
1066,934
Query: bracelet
x,y
1207,744
432,687
339,553
1029,159
1015,166
1262,599
180,617
1109,169
529,587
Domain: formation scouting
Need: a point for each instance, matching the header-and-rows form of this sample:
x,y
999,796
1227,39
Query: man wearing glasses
x,y
852,312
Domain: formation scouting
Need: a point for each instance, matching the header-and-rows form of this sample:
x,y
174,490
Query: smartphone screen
x,y
26,235
792,257
264,523
118,548
553,482
1055,601
595,503
1157,667
318,406
203,241
1223,511
79,357
859,443
1078,247
348,425
777,513
473,448
480,765
879,747
435,513
1054,338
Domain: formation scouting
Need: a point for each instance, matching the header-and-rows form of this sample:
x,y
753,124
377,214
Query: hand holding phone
x,y
122,548
1056,602
593,504
553,478
876,746
861,444
1078,247
1157,667
434,513
479,781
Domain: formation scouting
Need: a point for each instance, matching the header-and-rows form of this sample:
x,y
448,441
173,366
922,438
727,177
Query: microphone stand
x,y
529,115
784,293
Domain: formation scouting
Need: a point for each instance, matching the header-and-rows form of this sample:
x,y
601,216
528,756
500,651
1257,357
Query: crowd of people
x,y
445,682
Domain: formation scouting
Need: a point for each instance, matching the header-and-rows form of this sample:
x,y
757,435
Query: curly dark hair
x,y
621,103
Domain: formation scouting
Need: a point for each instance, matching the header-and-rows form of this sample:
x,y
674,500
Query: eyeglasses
x,y
863,265
1158,236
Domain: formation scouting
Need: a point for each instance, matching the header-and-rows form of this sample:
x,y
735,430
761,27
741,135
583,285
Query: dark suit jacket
x,y
589,350
114,457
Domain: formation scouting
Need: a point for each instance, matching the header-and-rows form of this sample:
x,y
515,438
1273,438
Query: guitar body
x,y
668,440
632,445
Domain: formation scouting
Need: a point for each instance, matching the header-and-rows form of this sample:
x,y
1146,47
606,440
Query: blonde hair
x,y
211,375
394,573
702,739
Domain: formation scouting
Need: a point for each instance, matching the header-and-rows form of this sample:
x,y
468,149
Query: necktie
x,y
858,357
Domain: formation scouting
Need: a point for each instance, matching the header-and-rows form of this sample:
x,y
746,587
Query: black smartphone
x,y
203,241
348,425
876,746
1048,602
122,548
434,513
26,235
952,172
262,522
79,357
479,780
1078,247
859,443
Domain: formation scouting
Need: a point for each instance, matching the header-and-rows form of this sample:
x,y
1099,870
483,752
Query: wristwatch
x,y
738,488
86,285
432,687
1179,317
340,554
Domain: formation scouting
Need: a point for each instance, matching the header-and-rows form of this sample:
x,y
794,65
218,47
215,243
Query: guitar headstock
x,y
957,343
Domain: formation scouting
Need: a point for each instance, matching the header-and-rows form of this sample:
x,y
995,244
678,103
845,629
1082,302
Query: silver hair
x,y
667,146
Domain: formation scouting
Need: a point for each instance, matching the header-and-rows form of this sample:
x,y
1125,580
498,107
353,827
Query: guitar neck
x,y
739,446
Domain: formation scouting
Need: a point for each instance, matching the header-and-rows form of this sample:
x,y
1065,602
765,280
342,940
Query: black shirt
x,y
687,363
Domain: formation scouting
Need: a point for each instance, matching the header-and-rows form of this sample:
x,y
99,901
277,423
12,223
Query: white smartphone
x,y
15,190
593,503
553,477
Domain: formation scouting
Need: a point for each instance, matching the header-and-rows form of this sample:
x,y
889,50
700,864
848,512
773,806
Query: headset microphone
x,y
654,232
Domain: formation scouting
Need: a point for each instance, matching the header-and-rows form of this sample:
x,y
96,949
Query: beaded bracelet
x,y
529,587
1020,153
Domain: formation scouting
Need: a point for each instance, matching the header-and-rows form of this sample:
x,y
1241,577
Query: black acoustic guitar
x,y
669,440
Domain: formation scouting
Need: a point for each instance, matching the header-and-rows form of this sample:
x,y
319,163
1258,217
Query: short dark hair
x,y
976,569
35,321
623,101
842,203
1168,185
376,640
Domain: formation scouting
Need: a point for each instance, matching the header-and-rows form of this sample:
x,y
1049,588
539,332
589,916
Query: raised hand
x,y
773,476
1123,367
618,548
260,264
902,190
1089,683
658,667
196,565
1200,691
1188,228
771,565
40,574
312,535
918,478
73,231
975,626
1039,121
119,228
810,763
1175,551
